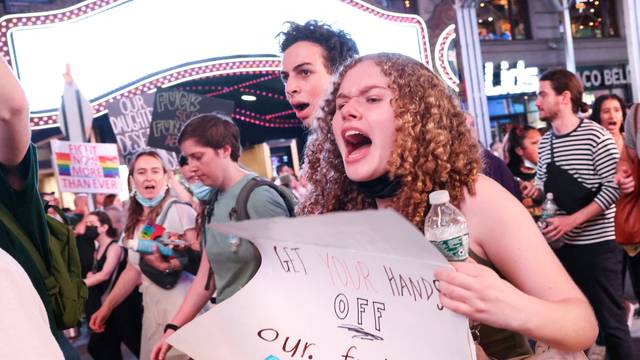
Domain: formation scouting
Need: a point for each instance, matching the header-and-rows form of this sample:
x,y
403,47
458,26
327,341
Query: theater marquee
x,y
122,48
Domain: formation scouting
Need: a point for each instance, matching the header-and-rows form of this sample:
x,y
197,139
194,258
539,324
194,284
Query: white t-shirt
x,y
24,325
180,218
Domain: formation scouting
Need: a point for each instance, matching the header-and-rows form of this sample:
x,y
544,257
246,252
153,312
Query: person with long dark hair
x,y
522,151
125,323
610,111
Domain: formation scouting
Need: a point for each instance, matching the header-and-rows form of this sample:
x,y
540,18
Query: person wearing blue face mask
x,y
201,191
151,201
190,186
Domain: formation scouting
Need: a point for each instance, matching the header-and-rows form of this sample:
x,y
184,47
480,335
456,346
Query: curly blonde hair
x,y
433,149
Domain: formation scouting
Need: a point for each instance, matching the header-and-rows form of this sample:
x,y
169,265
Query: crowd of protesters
x,y
383,149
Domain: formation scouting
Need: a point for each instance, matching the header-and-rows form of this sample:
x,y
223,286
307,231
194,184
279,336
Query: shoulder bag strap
x,y
163,215
551,146
635,117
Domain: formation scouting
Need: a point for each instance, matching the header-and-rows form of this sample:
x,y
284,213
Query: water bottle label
x,y
454,249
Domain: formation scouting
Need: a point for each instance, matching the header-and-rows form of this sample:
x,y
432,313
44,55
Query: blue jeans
x,y
69,352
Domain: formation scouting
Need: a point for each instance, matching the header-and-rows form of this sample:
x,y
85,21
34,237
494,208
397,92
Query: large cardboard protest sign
x,y
172,109
86,167
130,118
355,285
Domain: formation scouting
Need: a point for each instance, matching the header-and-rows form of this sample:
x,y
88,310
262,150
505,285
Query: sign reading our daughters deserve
x,y
130,118
351,285
86,167
172,109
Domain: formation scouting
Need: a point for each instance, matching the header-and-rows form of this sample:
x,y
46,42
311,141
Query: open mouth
x,y
300,107
357,143
149,187
612,124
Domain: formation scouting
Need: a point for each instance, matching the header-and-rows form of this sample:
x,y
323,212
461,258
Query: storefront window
x,y
503,20
512,109
594,19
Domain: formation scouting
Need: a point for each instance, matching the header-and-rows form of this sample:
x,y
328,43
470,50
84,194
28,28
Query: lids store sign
x,y
517,80
521,79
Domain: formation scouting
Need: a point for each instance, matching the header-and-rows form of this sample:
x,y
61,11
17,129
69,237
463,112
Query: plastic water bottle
x,y
549,210
446,228
146,247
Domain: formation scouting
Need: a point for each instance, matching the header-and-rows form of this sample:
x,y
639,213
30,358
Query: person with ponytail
x,y
151,201
124,324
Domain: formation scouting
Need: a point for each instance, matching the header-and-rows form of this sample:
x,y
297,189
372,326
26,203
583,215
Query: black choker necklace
x,y
381,187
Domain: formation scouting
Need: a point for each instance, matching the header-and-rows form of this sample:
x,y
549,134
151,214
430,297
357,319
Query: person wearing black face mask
x,y
125,323
86,248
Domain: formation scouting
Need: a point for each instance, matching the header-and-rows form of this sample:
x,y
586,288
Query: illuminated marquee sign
x,y
122,48
518,80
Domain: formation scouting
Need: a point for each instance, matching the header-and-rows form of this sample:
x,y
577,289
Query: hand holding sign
x,y
476,291
355,285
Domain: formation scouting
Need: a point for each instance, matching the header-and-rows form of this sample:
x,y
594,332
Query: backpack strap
x,y
240,211
9,221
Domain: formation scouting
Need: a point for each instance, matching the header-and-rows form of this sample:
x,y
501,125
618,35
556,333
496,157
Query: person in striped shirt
x,y
577,162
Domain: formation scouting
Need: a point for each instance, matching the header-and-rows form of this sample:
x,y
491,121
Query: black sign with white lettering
x,y
604,77
172,109
130,118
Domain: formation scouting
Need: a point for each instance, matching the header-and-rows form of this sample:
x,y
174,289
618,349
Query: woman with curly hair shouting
x,y
391,134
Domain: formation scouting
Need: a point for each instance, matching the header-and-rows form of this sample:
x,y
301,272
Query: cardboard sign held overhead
x,y
172,109
130,118
356,285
